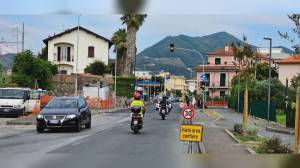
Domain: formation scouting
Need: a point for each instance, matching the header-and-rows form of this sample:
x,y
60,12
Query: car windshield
x,y
62,103
11,94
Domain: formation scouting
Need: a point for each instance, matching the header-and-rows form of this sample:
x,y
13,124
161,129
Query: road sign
x,y
188,113
203,77
191,133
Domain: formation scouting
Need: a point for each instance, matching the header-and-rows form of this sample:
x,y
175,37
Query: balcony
x,y
219,85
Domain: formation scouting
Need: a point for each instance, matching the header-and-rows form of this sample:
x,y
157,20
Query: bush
x,y
273,146
238,128
252,131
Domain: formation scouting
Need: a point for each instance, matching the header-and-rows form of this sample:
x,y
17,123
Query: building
x,y
220,70
143,74
288,68
277,53
191,85
62,49
176,83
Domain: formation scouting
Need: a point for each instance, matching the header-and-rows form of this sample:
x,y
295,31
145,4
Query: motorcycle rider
x,y
138,102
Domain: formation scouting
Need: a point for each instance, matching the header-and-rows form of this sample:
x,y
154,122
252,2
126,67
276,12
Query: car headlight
x,y
71,116
17,106
39,116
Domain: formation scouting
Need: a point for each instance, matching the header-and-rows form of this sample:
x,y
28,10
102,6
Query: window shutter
x,y
69,54
58,53
91,51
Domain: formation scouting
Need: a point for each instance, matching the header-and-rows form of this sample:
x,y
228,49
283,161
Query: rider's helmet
x,y
137,96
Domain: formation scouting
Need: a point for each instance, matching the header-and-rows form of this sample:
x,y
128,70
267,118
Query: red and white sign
x,y
188,113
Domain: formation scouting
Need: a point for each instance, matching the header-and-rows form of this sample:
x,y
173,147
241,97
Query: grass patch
x,y
247,138
280,117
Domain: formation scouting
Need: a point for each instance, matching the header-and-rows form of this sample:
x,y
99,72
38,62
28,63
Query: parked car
x,y
64,112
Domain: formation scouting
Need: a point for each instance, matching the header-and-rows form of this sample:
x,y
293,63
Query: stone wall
x,y
64,85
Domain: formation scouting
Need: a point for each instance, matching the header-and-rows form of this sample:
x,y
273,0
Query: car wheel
x,y
89,124
78,127
40,129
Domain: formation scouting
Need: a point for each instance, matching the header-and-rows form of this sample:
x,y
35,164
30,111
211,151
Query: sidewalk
x,y
230,118
215,140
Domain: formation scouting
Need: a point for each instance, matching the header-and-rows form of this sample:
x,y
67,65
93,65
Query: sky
x,y
254,18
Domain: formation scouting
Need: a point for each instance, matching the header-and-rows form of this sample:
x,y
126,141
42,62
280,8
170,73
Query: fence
x,y
97,103
257,109
217,103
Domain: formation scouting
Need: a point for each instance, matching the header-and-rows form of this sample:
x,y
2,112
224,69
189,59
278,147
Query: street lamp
x,y
269,80
172,49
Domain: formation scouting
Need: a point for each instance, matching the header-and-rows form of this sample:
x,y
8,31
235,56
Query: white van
x,y
15,101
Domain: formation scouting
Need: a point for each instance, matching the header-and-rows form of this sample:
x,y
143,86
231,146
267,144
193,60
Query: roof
x,y
229,52
74,29
147,83
294,59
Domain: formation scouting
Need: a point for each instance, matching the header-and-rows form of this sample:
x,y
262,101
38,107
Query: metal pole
x,y
23,34
116,76
296,137
269,82
239,85
76,78
17,40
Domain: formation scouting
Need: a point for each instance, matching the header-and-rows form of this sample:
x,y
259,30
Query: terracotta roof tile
x,y
294,59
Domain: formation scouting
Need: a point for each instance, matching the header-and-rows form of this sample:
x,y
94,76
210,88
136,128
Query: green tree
x,y
43,54
119,39
133,22
96,68
262,71
27,69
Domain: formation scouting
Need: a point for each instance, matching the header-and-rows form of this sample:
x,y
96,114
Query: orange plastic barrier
x,y
45,99
217,103
99,103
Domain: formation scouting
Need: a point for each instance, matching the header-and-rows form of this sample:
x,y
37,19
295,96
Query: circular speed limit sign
x,y
188,113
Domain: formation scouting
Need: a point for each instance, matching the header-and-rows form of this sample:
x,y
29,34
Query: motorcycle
x,y
163,111
136,119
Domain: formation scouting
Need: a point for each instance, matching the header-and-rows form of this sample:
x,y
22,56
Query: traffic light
x,y
172,47
202,85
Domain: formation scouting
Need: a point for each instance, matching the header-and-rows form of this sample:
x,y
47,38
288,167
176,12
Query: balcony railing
x,y
218,84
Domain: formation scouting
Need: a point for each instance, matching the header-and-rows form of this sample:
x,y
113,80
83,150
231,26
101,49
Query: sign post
x,y
192,133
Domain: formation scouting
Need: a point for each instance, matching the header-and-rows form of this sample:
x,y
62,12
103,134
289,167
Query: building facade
x,y
143,74
220,70
62,49
288,68
175,83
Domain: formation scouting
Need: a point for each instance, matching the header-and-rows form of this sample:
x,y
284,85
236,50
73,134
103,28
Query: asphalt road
x,y
110,138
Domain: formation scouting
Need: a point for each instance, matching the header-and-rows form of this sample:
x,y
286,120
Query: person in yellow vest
x,y
138,102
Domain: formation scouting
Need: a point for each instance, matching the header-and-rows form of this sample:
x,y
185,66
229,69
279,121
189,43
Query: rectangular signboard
x,y
191,133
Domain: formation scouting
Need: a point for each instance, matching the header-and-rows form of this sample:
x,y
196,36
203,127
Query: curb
x,y
20,123
249,150
278,130
232,136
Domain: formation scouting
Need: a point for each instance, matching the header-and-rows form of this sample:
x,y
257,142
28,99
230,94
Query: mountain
x,y
286,50
7,60
177,62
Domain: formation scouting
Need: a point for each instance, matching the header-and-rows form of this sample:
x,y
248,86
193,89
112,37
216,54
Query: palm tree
x,y
243,54
133,23
119,39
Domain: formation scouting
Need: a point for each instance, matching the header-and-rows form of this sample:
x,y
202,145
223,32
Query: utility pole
x,y
76,78
23,34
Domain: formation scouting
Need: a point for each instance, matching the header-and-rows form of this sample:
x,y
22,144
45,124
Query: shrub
x,y
238,128
252,131
273,146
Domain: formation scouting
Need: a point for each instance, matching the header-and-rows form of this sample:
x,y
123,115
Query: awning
x,y
147,83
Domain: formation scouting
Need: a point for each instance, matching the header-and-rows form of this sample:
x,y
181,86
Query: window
x,y
223,79
222,93
208,79
91,52
64,53
217,61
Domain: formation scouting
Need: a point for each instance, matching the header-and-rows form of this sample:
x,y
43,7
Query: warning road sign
x,y
191,133
188,113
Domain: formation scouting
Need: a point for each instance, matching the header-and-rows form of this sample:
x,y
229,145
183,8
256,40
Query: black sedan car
x,y
64,112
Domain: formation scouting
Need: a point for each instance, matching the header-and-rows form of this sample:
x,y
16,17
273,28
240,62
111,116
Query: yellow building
x,y
176,83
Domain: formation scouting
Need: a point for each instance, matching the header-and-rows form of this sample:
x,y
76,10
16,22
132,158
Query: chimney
x,y
226,48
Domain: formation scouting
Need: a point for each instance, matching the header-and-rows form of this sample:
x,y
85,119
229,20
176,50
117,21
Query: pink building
x,y
219,71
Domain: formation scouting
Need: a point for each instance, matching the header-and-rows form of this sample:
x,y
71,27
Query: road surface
x,y
110,138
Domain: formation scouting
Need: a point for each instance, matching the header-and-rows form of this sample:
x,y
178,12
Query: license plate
x,y
6,110
135,122
163,112
53,121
